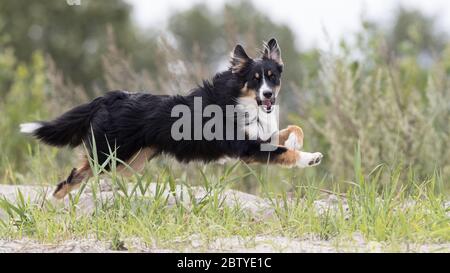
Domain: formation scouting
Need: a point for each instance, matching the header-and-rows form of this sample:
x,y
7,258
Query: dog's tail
x,y
68,129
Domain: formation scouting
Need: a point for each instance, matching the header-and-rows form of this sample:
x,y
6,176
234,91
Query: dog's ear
x,y
272,51
239,59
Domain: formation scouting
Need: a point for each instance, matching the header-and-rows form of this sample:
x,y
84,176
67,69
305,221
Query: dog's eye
x,y
256,77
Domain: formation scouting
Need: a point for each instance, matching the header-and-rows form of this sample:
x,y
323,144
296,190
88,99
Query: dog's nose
x,y
267,94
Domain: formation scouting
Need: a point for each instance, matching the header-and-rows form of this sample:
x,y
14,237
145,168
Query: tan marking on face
x,y
257,75
269,73
247,92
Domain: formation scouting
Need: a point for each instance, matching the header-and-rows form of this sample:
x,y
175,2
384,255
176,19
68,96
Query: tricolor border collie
x,y
140,125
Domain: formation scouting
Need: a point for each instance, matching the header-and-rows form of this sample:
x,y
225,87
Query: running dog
x,y
139,126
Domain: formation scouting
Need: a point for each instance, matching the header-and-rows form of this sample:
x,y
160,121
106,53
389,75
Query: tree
x,y
75,36
413,32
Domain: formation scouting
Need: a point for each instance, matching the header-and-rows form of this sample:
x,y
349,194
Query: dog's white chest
x,y
260,125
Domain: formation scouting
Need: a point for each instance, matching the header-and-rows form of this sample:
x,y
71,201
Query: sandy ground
x,y
261,244
253,204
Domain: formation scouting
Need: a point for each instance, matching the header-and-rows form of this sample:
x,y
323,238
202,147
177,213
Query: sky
x,y
315,22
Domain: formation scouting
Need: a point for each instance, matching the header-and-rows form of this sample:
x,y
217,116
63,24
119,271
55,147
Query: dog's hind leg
x,y
137,162
291,137
78,175
74,180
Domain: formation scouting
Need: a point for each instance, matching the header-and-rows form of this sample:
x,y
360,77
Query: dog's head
x,y
262,76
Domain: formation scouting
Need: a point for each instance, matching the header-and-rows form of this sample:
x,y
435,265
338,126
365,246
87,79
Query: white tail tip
x,y
29,128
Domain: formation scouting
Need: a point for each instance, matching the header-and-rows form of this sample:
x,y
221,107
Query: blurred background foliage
x,y
387,90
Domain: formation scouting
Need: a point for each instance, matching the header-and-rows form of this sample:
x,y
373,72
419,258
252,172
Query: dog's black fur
x,y
131,122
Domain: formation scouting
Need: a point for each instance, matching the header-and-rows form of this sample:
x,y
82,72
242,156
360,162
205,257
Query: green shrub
x,y
397,110
24,101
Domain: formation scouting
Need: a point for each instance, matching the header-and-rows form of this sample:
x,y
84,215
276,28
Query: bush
x,y
24,101
397,110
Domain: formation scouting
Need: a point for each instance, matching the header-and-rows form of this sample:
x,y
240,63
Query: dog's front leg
x,y
291,137
281,155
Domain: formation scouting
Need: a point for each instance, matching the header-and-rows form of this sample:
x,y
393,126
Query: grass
x,y
395,211
363,92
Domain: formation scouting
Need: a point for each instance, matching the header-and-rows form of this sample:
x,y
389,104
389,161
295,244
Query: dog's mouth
x,y
267,104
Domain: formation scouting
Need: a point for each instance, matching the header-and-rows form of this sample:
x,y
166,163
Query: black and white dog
x,y
140,125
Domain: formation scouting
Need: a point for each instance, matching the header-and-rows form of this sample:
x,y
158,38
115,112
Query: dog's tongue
x,y
268,104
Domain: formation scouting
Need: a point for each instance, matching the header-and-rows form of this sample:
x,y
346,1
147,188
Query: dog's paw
x,y
309,159
293,142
